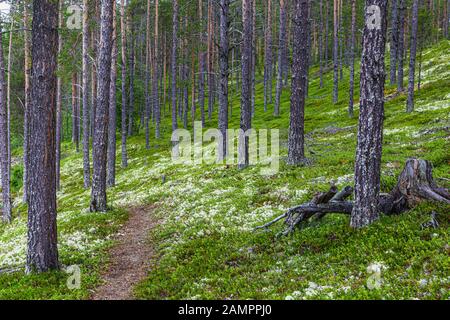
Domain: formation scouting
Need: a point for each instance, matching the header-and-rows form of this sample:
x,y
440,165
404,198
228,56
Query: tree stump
x,y
415,184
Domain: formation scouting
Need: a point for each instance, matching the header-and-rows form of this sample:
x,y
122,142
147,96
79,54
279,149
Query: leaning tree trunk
x,y
100,141
415,185
296,152
412,60
42,253
370,131
5,166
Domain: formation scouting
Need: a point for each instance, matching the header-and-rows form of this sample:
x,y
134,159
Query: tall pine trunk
x,y
174,64
100,139
85,75
394,42
111,173
26,117
281,56
157,107
268,55
336,52
401,43
370,130
412,59
352,60
59,104
124,85
301,29
42,253
224,72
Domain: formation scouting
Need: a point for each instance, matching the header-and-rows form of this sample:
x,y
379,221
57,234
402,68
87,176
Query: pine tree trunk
x,y
42,254
124,81
75,118
111,172
321,40
27,67
352,60
370,130
147,78
100,140
224,73
85,71
245,121
281,54
336,53
412,52
268,55
157,107
130,27
5,165
202,65
394,42
401,43
296,152
174,64
254,57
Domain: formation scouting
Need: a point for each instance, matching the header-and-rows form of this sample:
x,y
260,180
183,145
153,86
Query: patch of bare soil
x,y
130,258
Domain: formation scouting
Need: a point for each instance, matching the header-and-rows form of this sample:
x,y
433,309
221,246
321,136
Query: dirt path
x,y
130,258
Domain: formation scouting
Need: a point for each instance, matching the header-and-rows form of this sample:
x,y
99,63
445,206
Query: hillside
x,y
205,244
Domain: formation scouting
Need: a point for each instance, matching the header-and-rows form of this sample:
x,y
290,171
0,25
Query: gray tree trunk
x,y
352,60
124,82
59,104
336,53
174,64
202,65
321,45
157,107
42,254
131,70
412,59
268,55
370,130
111,173
100,140
246,91
394,42
401,43
27,67
224,72
281,54
5,165
301,29
86,71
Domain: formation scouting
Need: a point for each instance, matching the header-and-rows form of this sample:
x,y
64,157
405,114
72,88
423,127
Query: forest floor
x,y
129,259
203,245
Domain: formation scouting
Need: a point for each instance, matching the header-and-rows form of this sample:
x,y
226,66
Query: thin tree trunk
x,y
401,43
245,121
124,81
394,42
335,53
254,57
174,64
27,67
224,73
321,40
147,78
85,71
75,117
412,52
281,54
157,107
352,60
58,104
268,55
370,131
130,27
296,152
111,173
42,253
202,65
5,165
100,141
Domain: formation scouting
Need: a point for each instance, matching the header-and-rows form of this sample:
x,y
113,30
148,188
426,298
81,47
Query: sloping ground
x,y
206,247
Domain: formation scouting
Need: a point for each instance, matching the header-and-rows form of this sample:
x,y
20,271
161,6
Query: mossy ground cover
x,y
206,246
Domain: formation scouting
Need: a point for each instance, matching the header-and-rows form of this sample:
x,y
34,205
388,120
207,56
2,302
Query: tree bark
x,y
245,121
268,55
202,65
224,73
75,117
157,107
412,53
370,130
281,54
394,42
86,122
124,81
100,140
130,29
352,60
58,104
111,173
336,52
26,131
401,43
296,153
174,64
5,165
42,254
147,78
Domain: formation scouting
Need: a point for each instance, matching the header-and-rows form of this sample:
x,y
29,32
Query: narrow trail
x,y
130,258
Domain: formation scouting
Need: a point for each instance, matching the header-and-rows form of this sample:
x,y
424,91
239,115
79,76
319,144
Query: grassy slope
x,y
205,243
